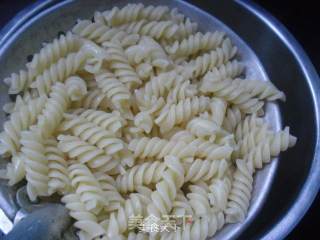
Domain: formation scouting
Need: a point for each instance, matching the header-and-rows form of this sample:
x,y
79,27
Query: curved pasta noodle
x,y
251,140
181,112
167,188
263,90
16,170
85,220
219,192
182,91
159,148
195,44
115,90
202,64
93,134
21,100
135,12
234,92
109,121
59,72
48,55
158,86
120,66
18,82
94,99
19,121
52,114
86,153
232,118
271,146
100,33
36,163
76,88
208,150
248,124
228,70
200,228
198,199
88,187
204,169
144,174
240,193
202,128
154,29
58,168
52,52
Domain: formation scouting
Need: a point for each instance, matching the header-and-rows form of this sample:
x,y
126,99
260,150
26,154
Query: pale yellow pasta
x,y
137,115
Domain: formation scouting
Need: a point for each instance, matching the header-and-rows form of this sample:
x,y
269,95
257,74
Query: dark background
x,y
302,19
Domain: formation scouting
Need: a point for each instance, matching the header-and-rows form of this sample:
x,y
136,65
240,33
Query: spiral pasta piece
x,y
135,12
52,113
234,92
16,170
182,91
58,168
166,190
181,112
59,71
109,121
202,64
263,90
198,199
52,52
229,70
232,118
36,163
204,170
76,88
19,121
88,187
154,29
158,86
144,174
208,150
271,146
201,228
86,153
218,108
135,205
100,33
195,44
94,99
219,192
251,140
115,90
202,128
248,124
120,66
92,133
144,121
18,82
159,148
85,220
240,195
20,101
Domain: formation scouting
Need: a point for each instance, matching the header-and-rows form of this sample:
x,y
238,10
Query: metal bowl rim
x,y
311,186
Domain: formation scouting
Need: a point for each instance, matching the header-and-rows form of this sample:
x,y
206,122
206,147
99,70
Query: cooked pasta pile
x,y
136,113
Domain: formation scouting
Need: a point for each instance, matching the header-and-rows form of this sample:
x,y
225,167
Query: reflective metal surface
x,y
284,190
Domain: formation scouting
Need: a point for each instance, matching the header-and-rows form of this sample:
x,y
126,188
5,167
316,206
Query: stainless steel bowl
x,y
284,190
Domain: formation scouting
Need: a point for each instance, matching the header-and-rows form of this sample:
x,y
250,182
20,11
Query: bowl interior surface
x,y
265,56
